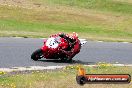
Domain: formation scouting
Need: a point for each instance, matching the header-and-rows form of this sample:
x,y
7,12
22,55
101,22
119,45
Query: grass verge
x,y
64,78
108,20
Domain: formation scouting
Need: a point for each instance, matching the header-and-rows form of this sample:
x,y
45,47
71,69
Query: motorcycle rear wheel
x,y
66,60
38,54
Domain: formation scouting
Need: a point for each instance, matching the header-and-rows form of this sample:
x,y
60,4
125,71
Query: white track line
x,y
32,68
42,38
18,37
99,41
125,42
79,39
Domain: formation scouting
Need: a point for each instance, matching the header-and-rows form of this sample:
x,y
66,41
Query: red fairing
x,y
51,53
45,41
63,44
55,45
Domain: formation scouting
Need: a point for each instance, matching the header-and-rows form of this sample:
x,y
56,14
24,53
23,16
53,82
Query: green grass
x,y
62,79
103,5
13,25
108,20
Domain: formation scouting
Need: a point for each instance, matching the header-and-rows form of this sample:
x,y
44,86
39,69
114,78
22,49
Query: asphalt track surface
x,y
15,52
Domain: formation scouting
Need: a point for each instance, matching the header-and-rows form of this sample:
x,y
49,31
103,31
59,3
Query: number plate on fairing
x,y
52,43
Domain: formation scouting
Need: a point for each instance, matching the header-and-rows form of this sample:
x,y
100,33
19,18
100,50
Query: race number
x,y
52,43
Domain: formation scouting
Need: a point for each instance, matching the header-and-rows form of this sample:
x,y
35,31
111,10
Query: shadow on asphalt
x,y
72,62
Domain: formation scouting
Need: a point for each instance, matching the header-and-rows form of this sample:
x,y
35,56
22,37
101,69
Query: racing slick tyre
x,y
69,60
66,60
38,54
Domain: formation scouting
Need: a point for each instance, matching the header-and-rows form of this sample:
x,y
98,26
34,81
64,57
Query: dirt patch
x,y
18,3
128,1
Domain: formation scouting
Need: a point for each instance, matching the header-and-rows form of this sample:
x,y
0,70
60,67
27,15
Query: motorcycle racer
x,y
73,45
59,46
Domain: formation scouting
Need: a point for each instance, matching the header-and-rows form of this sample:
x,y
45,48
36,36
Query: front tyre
x,y
38,54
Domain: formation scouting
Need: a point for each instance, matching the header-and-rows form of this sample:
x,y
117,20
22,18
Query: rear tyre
x,y
38,54
67,60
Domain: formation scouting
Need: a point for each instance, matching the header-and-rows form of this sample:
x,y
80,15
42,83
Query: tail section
x,y
83,41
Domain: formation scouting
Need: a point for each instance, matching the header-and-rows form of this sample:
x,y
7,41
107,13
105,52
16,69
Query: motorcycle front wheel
x,y
38,54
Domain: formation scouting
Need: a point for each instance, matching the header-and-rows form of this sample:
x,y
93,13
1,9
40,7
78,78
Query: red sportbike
x,y
59,46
